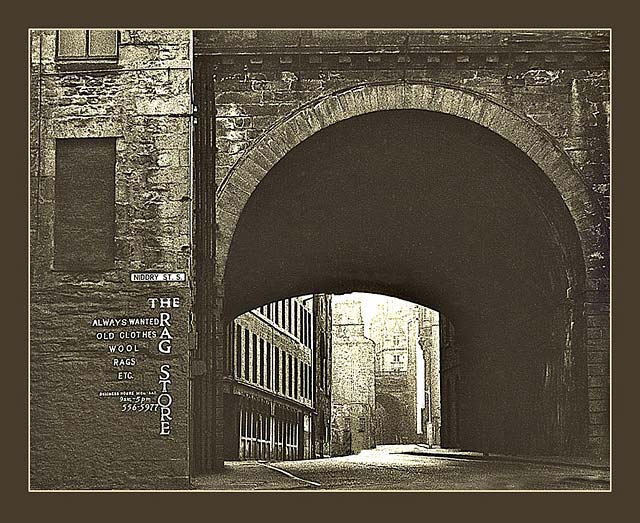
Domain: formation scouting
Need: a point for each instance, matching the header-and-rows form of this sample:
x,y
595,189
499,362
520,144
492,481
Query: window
x,y
295,377
307,317
254,361
228,363
246,354
84,223
268,365
92,44
285,379
284,314
238,351
277,368
261,362
290,376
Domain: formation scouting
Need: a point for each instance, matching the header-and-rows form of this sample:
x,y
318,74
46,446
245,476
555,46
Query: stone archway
x,y
586,262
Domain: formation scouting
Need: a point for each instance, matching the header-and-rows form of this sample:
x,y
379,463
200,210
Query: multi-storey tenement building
x,y
394,330
271,380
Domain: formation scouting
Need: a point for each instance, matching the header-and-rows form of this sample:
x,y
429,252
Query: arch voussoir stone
x,y
291,135
304,125
236,196
279,145
349,101
451,101
226,225
311,116
390,98
269,154
465,105
416,96
330,111
297,129
370,102
252,170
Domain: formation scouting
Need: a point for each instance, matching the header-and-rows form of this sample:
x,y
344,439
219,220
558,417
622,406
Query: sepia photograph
x,y
319,259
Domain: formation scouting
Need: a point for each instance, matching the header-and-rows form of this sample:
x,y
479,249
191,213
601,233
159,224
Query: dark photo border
x,y
326,506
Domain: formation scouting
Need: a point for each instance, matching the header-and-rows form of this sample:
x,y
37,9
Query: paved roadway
x,y
405,467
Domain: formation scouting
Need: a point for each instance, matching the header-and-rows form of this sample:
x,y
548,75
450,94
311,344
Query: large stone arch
x,y
589,265
236,188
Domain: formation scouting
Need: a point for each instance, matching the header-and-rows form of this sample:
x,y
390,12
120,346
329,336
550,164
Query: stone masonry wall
x,y
80,436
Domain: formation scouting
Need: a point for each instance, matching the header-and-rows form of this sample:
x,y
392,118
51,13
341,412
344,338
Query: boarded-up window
x,y
84,225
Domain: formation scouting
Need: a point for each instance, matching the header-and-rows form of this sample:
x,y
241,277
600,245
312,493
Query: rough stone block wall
x,y
80,438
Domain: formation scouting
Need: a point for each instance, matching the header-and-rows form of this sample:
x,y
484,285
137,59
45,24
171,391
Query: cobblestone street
x,y
408,467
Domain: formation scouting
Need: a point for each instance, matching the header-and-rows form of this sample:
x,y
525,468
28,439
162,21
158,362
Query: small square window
x,y
90,44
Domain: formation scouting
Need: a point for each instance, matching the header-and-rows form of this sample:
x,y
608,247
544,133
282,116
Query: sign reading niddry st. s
x,y
158,277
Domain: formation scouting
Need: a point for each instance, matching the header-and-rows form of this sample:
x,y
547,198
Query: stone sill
x,y
81,65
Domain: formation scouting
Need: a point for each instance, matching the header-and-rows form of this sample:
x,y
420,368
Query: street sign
x,y
151,277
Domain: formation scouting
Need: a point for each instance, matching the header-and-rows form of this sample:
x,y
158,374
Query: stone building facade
x,y
354,383
407,373
394,330
149,153
111,195
272,407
